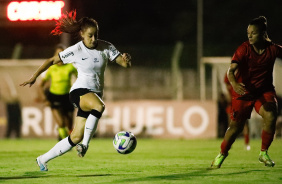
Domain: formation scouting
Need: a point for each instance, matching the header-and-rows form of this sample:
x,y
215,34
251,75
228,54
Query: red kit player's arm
x,y
238,87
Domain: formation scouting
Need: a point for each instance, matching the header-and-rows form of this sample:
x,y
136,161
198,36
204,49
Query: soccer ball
x,y
124,142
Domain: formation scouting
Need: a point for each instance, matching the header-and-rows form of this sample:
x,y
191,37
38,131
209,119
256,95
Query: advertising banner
x,y
22,116
155,118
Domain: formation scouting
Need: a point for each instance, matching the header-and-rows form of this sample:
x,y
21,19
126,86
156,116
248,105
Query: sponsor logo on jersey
x,y
113,50
68,54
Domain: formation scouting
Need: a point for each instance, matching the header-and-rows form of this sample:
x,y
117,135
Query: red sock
x,y
225,146
267,139
247,139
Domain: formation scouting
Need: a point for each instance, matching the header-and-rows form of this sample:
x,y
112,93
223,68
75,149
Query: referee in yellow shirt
x,y
58,81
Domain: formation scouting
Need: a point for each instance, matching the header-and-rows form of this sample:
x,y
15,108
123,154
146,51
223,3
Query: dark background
x,y
149,29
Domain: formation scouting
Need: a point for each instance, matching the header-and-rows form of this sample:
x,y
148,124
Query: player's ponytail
x,y
67,24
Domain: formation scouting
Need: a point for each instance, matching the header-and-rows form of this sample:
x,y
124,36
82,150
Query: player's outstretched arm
x,y
124,60
49,62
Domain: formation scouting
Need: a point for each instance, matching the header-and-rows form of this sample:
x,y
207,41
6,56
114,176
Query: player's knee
x,y
236,127
101,107
96,113
270,116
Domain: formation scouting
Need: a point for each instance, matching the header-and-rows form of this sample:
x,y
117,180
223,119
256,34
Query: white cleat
x,y
42,166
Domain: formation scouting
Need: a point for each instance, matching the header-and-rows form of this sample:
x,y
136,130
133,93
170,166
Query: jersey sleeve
x,y
68,55
239,54
112,52
279,51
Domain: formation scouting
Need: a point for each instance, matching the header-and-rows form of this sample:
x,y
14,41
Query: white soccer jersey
x,y
90,63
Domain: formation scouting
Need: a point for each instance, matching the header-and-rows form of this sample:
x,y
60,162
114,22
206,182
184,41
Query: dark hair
x,y
68,24
261,23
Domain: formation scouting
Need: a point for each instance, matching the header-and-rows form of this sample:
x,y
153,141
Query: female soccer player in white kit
x,y
90,56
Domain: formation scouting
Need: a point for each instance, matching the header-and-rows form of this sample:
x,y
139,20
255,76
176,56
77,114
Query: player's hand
x,y
31,81
127,59
239,88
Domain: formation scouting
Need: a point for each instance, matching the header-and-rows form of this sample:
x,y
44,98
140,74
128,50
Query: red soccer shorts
x,y
241,108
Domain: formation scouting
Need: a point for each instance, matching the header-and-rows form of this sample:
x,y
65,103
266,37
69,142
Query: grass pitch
x,y
154,161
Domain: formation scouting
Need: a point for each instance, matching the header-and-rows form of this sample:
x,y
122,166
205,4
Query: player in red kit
x,y
250,75
246,130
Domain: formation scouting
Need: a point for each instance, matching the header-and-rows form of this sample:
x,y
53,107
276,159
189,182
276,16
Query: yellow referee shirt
x,y
60,76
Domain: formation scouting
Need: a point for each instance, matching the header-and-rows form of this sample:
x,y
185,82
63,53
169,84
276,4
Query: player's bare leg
x,y
92,103
77,135
234,129
269,114
62,129
64,145
246,133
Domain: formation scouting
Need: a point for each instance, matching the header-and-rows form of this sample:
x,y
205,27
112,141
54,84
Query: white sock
x,y
59,149
89,129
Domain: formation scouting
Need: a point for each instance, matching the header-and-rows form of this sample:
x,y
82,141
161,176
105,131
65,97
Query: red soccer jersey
x,y
254,70
227,83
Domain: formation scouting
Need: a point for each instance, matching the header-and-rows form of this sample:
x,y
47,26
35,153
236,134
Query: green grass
x,y
154,161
